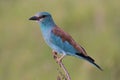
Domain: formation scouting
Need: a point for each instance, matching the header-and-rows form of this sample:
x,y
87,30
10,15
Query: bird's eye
x,y
43,16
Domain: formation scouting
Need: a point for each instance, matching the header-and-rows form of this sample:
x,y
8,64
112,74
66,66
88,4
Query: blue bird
x,y
60,41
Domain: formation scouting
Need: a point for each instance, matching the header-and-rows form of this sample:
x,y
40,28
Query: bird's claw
x,y
58,60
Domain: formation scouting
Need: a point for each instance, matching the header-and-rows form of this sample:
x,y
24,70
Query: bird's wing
x,y
66,38
66,42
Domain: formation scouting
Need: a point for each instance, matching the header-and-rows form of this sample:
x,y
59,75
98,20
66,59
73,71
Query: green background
x,y
95,24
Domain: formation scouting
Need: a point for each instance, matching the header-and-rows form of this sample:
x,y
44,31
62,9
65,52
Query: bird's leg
x,y
58,59
55,56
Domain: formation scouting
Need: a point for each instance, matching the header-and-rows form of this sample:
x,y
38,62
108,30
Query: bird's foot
x,y
58,59
55,56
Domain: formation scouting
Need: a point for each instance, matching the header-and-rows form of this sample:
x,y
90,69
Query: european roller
x,y
59,40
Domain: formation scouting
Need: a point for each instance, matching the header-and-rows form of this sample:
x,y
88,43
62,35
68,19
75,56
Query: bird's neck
x,y
46,27
47,23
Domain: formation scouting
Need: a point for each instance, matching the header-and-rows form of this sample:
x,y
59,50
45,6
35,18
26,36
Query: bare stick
x,y
61,65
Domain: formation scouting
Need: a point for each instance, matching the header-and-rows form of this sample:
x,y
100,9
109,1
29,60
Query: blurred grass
x,y
94,24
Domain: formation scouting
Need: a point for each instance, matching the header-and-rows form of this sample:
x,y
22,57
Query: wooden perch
x,y
56,57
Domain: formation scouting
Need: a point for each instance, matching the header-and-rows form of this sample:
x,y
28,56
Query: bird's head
x,y
41,17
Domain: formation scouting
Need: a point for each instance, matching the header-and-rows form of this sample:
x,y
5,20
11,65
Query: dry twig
x,y
55,56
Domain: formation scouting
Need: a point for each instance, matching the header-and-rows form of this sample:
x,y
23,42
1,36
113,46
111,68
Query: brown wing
x,y
66,37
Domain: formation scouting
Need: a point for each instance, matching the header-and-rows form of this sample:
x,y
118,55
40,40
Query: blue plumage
x,y
64,46
60,41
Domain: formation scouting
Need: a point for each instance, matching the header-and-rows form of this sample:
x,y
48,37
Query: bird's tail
x,y
89,59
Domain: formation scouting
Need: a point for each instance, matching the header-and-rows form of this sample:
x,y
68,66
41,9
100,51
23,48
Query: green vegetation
x,y
93,24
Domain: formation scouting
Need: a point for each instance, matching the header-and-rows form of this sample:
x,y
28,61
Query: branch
x,y
55,56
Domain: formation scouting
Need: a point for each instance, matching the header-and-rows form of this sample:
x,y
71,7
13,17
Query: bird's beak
x,y
34,18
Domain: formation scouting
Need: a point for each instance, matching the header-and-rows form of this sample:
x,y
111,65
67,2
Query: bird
x,y
59,40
